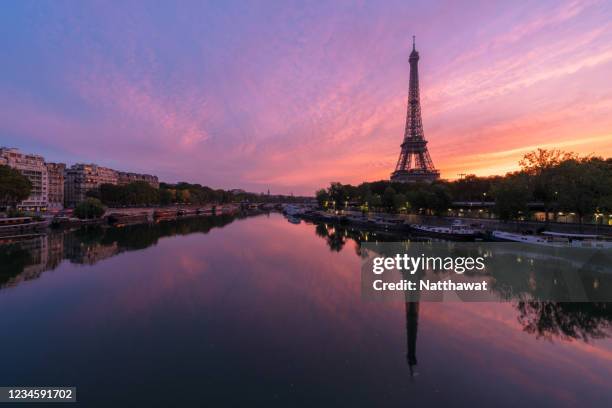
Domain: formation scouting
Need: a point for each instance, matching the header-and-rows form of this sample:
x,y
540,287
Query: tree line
x,y
15,187
558,180
141,193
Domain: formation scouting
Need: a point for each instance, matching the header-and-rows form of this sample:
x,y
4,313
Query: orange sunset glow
x,y
289,98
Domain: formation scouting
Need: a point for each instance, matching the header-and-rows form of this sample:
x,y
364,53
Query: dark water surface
x,y
261,312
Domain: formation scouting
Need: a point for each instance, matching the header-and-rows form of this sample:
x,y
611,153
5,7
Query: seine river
x,y
261,312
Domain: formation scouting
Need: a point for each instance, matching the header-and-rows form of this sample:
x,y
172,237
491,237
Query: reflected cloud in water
x,y
280,305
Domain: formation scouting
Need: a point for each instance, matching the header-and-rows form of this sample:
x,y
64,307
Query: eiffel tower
x,y
414,164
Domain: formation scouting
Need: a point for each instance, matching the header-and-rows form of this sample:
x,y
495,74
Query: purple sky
x,y
292,95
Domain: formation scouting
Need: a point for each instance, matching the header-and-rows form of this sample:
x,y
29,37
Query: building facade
x,y
81,178
124,178
33,167
55,175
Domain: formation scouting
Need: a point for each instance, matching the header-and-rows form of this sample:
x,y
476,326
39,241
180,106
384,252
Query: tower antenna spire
x,y
413,42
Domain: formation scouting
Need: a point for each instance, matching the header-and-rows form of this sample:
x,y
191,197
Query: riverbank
x,y
143,215
119,217
386,221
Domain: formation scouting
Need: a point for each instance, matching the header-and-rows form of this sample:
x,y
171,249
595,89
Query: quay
x,y
119,217
400,222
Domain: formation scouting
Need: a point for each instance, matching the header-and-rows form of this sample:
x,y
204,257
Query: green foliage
x,y
511,197
400,202
338,194
14,187
322,197
561,181
542,166
197,194
166,196
439,199
141,193
583,185
472,188
137,193
375,201
388,198
183,196
90,208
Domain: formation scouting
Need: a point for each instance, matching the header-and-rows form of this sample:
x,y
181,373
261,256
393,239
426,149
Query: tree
x,y
388,198
110,194
511,196
417,199
560,180
166,196
338,194
583,185
363,193
541,165
538,160
471,188
439,199
90,208
322,197
400,202
183,196
375,201
141,193
14,186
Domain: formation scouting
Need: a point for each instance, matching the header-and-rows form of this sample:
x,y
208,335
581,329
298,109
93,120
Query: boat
x,y
15,239
186,212
164,214
555,239
205,211
294,210
383,223
504,236
228,209
583,240
328,217
293,220
60,220
16,224
120,219
458,230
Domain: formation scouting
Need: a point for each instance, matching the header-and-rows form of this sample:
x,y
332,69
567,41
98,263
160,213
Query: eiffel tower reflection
x,y
412,327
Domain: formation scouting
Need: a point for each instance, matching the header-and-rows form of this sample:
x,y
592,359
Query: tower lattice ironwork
x,y
414,163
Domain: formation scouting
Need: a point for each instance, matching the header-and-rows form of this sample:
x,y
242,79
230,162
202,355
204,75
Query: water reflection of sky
x,y
263,311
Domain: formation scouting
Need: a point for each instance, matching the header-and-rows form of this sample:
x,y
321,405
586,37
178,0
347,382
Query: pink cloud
x,y
318,95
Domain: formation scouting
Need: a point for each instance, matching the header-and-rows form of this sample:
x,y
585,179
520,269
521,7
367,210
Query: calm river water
x,y
260,312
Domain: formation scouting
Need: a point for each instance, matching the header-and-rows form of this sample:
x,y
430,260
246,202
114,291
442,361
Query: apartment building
x,y
55,175
127,178
81,178
33,167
